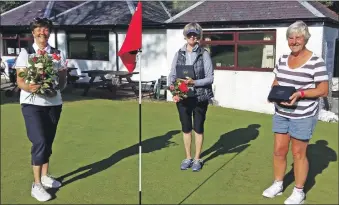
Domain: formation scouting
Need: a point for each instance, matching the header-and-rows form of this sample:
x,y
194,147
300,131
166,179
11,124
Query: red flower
x,y
34,59
171,87
183,87
56,56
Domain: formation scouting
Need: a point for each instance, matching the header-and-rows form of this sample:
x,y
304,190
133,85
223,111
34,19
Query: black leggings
x,y
190,106
41,125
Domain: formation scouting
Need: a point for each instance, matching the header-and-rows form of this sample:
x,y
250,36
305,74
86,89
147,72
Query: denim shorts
x,y
301,129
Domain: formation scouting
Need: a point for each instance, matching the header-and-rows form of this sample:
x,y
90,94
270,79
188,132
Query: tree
x,y
8,5
333,5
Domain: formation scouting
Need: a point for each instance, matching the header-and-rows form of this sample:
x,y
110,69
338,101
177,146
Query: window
x,y
89,46
241,50
13,42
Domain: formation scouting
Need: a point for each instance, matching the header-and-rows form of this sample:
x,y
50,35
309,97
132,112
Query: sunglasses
x,y
189,35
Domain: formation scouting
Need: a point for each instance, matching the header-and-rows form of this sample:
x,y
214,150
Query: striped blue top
x,y
303,77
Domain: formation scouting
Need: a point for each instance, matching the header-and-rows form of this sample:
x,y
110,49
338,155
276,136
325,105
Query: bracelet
x,y
302,93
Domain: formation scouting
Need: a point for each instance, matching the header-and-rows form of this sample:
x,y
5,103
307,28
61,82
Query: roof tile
x,y
25,14
244,10
117,12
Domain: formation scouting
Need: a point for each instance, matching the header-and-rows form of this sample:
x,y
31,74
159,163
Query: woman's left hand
x,y
189,81
293,99
176,98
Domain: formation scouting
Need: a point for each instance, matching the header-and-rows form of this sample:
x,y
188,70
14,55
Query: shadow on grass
x,y
149,145
232,142
319,156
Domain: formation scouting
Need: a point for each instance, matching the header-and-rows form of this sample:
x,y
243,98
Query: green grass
x,y
102,137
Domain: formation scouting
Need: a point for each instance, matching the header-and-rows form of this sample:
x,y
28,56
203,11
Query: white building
x,y
245,39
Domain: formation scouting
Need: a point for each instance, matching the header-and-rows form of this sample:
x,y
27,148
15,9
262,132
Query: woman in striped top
x,y
295,120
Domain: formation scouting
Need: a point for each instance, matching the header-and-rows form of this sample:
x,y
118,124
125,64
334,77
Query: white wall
x,y
245,90
153,55
175,40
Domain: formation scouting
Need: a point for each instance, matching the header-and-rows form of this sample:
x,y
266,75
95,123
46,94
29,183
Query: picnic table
x,y
71,79
109,83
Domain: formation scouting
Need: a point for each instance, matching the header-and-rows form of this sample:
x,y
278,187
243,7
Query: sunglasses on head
x,y
42,20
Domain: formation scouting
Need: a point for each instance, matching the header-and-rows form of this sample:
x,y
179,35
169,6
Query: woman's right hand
x,y
33,87
176,98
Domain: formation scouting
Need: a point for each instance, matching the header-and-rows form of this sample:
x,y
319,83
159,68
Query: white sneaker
x,y
48,181
274,190
297,197
40,193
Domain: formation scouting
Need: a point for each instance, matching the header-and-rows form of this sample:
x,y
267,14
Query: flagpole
x,y
130,54
140,147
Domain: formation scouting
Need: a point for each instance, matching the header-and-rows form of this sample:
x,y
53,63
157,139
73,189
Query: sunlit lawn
x,y
96,154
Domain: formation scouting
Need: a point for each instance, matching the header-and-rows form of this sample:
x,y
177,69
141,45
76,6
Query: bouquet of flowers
x,y
41,72
179,88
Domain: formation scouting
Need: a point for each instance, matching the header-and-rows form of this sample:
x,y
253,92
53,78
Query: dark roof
x,y
61,6
214,11
93,12
118,12
24,14
96,13
112,13
107,13
174,7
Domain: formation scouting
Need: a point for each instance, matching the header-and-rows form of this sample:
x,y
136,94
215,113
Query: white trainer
x,y
40,193
274,190
297,197
50,182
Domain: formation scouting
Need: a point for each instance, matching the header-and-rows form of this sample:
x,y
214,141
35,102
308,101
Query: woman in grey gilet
x,y
193,54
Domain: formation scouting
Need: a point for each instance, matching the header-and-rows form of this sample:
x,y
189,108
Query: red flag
x,y
132,43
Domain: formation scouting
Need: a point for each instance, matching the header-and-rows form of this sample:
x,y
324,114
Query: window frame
x,y
88,39
18,39
236,42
